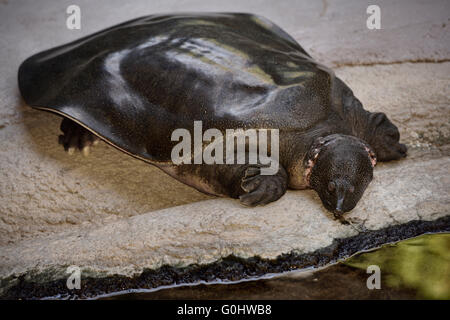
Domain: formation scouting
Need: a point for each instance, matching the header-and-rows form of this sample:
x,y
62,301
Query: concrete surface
x,y
113,214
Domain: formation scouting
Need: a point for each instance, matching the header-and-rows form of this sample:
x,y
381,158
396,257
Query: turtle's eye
x,y
351,189
331,186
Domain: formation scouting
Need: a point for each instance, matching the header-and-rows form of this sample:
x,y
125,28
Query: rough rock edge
x,y
231,268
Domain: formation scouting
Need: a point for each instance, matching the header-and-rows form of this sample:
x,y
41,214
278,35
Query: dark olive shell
x,y
134,83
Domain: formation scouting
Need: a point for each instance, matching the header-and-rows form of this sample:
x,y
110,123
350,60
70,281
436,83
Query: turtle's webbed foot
x,y
262,189
76,137
385,138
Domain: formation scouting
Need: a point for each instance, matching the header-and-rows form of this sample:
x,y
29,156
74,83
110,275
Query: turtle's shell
x,y
134,83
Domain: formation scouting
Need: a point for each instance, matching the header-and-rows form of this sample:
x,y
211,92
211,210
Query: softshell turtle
x,y
133,84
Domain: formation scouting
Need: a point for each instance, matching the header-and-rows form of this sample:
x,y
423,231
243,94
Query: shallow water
x,y
417,268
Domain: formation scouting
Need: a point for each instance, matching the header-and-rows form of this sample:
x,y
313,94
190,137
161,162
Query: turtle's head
x,y
340,168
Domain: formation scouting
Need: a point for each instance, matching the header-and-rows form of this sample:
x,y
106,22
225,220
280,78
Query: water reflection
x,y
421,264
418,268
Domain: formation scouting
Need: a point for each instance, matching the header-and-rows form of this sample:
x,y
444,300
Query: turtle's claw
x,y
76,137
71,151
261,189
86,151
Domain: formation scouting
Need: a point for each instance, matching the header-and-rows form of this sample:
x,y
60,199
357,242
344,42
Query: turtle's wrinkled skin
x,y
133,84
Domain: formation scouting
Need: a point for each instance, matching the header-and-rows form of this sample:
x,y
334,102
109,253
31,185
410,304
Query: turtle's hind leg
x,y
76,137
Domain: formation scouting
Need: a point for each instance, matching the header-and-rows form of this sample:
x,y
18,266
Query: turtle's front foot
x,y
262,189
76,137
384,138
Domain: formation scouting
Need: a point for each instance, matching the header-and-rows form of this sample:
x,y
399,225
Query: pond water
x,y
417,268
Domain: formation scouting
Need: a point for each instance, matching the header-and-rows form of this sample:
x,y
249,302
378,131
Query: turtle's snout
x,y
338,211
341,189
